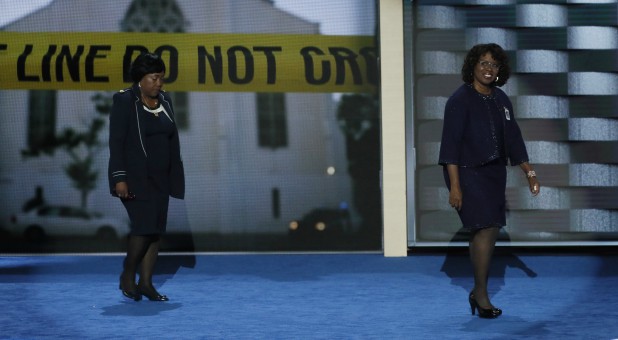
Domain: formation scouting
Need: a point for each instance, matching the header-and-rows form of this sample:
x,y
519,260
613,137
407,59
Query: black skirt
x,y
483,190
149,216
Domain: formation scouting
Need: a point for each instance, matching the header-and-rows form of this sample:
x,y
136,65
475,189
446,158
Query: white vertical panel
x,y
393,128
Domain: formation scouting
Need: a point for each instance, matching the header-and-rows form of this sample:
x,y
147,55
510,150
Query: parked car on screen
x,y
320,222
49,220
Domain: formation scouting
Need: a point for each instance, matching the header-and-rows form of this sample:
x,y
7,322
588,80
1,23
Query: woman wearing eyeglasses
x,y
480,137
145,169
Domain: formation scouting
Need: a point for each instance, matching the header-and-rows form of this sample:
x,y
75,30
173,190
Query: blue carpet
x,y
310,296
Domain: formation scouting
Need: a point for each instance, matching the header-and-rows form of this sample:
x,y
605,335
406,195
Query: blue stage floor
x,y
310,296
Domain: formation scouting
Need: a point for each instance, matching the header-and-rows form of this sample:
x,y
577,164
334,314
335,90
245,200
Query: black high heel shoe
x,y
151,293
486,313
135,295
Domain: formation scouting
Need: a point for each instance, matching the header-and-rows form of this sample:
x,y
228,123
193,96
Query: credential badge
x,y
507,114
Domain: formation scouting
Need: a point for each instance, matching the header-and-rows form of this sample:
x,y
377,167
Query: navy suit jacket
x,y
467,136
127,151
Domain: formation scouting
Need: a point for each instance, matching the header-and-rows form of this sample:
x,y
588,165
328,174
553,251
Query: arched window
x,y
160,16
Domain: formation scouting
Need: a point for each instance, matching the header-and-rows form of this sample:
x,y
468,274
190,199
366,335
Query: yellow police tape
x,y
195,62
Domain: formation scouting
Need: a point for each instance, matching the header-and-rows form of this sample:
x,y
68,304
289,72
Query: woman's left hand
x,y
535,186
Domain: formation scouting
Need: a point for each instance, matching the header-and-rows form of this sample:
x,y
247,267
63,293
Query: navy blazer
x,y
127,152
467,135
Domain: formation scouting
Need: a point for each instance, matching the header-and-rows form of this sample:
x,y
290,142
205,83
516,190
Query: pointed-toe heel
x,y
485,313
135,295
151,294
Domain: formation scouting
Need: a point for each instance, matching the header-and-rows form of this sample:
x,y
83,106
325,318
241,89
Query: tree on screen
x,y
81,146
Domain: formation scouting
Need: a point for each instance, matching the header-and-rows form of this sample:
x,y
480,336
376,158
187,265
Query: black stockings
x,y
142,253
482,243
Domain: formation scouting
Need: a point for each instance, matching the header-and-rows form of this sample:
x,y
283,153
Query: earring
x,y
139,84
497,79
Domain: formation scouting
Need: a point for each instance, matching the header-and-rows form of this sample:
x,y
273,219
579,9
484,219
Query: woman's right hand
x,y
455,198
122,190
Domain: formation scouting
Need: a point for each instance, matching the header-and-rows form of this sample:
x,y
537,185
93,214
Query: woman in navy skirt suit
x,y
145,169
480,136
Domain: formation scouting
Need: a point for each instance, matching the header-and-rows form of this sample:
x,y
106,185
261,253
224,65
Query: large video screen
x,y
564,87
275,102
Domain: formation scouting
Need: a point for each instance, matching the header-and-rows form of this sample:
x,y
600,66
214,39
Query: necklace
x,y
151,107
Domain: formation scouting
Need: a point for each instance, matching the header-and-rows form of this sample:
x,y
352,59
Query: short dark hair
x,y
473,57
144,64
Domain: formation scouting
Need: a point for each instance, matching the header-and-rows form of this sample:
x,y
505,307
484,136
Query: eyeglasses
x,y
488,64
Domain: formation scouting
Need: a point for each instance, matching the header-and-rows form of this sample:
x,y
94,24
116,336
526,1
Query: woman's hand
x,y
455,198
533,183
122,190
535,186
